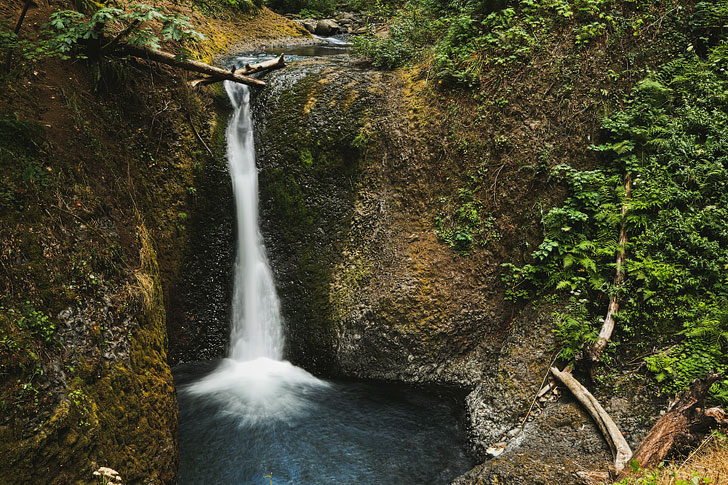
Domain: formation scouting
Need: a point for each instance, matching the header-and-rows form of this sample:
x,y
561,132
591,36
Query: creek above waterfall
x,y
254,417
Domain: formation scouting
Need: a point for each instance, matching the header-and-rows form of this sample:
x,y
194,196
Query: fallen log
x,y
683,425
187,64
620,449
248,69
270,64
552,385
608,326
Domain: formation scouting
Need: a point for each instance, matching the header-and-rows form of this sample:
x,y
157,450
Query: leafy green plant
x,y
81,403
467,226
36,322
71,30
575,327
466,39
409,33
26,49
672,140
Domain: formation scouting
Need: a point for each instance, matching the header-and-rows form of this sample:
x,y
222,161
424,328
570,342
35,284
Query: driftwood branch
x,y
268,65
682,425
608,326
187,64
620,448
552,385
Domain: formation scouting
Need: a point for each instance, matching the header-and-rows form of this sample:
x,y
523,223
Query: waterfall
x,y
254,382
257,419
256,327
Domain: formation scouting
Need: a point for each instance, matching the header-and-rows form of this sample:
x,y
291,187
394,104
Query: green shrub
x,y
409,33
672,140
71,30
467,226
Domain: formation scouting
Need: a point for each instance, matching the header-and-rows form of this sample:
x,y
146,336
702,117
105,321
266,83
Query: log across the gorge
x,y
187,64
683,425
268,65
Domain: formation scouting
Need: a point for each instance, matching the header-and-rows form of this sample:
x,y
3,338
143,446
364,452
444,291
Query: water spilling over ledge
x,y
255,414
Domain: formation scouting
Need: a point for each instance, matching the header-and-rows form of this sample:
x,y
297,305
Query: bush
x,y
409,33
672,139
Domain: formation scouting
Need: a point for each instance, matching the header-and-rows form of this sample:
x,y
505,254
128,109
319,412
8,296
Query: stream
x,y
254,418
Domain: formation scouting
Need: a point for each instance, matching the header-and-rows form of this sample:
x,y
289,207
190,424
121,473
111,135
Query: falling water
x,y
256,316
253,382
256,418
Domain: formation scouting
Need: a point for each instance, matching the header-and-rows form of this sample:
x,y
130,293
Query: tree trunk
x,y
684,424
620,448
187,64
16,30
608,326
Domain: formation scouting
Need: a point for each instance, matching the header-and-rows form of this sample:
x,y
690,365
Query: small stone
x,y
495,451
514,432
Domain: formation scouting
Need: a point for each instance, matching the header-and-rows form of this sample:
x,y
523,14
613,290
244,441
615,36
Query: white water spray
x,y
253,382
256,316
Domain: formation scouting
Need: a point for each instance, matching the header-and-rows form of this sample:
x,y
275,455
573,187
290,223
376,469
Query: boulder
x,y
327,27
308,24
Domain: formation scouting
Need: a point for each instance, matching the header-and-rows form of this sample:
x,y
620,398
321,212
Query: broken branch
x,y
608,326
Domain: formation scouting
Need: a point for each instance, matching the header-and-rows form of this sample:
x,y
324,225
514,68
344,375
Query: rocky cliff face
x,y
356,169
83,320
115,234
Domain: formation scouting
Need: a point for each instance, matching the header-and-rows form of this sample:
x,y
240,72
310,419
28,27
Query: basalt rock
x,y
327,27
350,189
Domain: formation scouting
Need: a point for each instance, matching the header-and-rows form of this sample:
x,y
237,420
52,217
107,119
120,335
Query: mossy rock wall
x,y
355,169
104,184
307,128
367,289
116,232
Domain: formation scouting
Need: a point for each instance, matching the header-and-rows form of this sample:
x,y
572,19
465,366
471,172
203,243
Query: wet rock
x,y
327,27
369,291
501,399
308,24
560,442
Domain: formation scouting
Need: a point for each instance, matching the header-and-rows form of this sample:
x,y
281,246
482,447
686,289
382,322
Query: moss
x,y
252,27
120,415
310,167
348,284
